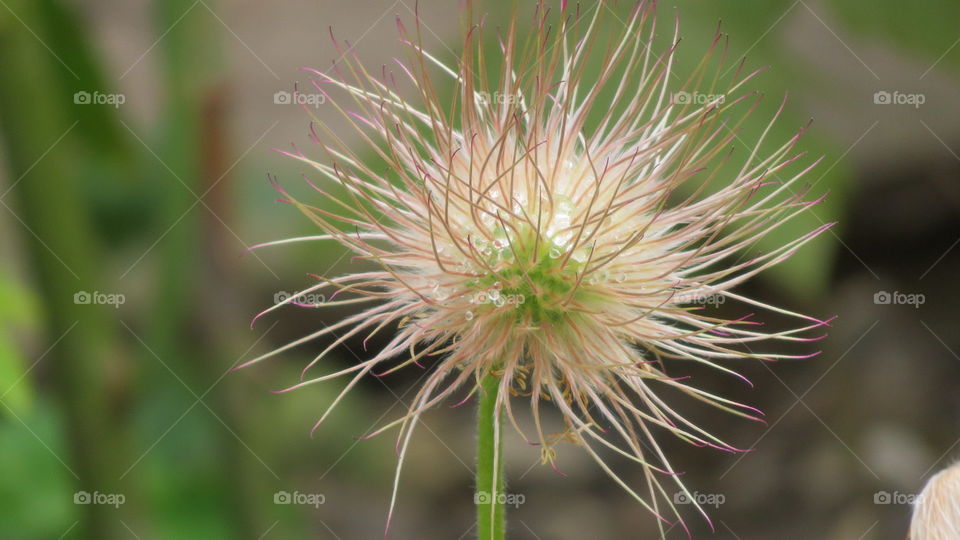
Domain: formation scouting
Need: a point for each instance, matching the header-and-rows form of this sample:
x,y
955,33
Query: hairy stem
x,y
489,496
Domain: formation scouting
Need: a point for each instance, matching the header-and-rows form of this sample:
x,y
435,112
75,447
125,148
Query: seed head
x,y
569,222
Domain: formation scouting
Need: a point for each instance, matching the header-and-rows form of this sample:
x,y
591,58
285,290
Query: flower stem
x,y
491,524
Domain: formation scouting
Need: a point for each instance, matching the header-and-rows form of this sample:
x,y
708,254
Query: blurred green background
x,y
135,138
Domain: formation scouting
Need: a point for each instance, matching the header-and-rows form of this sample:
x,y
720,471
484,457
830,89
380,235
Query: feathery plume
x,y
936,511
558,222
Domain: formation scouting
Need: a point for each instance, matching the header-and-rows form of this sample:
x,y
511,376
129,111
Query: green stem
x,y
491,524
64,258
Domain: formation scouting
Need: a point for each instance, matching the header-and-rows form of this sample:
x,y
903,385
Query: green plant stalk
x,y
192,75
491,522
64,258
59,27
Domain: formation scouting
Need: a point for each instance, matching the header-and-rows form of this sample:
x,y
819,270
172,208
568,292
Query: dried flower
x,y
936,512
560,225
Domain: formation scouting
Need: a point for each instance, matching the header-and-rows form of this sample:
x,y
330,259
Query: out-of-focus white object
x,y
936,512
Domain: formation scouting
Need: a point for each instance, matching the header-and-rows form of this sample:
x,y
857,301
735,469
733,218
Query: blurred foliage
x,y
12,366
36,494
18,314
929,32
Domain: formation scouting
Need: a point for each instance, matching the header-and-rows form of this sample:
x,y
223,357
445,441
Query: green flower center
x,y
529,282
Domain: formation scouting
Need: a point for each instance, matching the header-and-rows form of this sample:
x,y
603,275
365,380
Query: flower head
x,y
562,222
936,511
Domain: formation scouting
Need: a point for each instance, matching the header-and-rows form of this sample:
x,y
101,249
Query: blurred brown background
x,y
136,141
